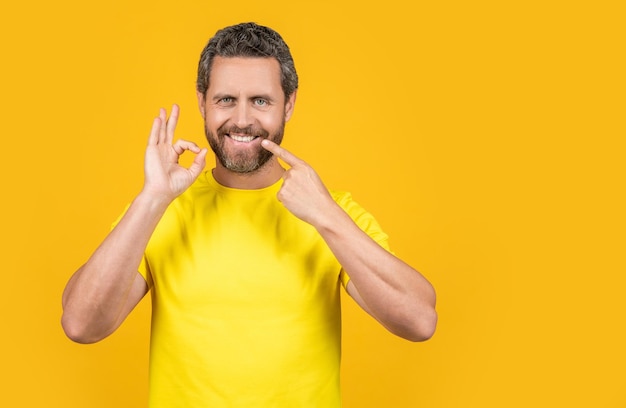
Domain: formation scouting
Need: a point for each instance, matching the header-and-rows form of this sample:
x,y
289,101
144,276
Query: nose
x,y
243,115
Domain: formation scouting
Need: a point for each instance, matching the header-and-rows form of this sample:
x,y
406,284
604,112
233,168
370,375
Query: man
x,y
245,262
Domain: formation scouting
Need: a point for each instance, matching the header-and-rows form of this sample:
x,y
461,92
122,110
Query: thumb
x,y
198,163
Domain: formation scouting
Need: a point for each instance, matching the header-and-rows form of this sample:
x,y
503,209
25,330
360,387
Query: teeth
x,y
242,138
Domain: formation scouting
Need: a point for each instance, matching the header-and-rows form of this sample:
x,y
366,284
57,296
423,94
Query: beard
x,y
245,160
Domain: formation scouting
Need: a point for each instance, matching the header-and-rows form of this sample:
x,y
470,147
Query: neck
x,y
263,177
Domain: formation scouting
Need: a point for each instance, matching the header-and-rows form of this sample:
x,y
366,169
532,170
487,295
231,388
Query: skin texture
x,y
244,93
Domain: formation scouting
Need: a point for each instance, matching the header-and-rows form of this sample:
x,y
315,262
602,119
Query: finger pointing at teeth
x,y
282,153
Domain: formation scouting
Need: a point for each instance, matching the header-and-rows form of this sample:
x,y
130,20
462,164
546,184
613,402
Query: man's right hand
x,y
165,178
103,291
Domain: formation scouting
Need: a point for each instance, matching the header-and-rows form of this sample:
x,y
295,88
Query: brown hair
x,y
248,40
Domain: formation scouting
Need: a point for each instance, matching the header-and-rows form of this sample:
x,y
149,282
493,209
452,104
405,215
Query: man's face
x,y
243,105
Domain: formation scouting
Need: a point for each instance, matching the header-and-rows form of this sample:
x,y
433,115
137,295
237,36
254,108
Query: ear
x,y
289,105
201,103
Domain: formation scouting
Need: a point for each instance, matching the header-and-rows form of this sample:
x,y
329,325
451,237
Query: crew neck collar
x,y
212,182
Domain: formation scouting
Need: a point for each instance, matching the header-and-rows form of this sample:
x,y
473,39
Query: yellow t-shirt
x,y
246,309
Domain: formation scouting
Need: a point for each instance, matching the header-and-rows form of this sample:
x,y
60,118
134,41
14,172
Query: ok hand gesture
x,y
164,177
302,192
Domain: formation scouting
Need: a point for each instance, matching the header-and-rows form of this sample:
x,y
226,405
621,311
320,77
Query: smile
x,y
244,139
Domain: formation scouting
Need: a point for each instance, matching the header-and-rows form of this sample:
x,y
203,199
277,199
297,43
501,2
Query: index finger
x,y
282,153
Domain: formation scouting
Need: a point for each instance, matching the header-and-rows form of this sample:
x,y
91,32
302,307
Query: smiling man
x,y
243,104
245,262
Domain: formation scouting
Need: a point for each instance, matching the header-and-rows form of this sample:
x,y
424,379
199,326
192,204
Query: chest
x,y
248,256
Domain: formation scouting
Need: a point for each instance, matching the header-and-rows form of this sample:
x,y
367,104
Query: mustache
x,y
248,131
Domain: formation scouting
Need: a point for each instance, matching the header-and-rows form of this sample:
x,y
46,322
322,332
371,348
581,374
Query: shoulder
x,y
345,200
363,218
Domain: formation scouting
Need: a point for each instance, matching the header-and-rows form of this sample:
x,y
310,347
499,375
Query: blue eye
x,y
260,102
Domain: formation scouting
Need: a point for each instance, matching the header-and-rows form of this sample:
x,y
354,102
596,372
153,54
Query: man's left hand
x,y
302,192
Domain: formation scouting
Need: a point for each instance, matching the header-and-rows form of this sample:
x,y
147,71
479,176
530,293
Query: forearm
x,y
96,295
390,290
393,292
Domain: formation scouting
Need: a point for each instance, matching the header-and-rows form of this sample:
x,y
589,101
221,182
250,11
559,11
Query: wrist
x,y
153,200
330,218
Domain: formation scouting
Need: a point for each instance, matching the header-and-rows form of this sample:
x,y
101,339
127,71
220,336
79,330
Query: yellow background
x,y
487,138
